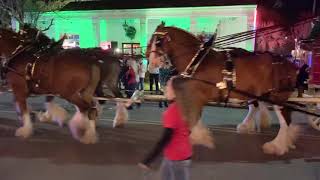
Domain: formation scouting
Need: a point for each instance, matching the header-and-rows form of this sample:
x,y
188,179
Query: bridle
x,y
157,46
21,47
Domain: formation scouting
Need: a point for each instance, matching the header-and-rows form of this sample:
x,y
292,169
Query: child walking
x,y
174,142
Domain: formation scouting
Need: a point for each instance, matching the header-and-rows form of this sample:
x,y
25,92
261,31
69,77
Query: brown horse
x,y
260,75
73,75
105,88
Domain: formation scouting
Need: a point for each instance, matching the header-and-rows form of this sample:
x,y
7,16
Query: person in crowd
x,y
153,76
302,79
122,83
164,76
143,63
130,77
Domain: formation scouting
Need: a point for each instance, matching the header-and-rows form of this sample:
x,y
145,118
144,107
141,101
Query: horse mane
x,y
235,51
6,31
185,33
96,51
240,52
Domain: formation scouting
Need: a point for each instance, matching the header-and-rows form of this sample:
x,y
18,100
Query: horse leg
x,y
286,135
248,124
23,113
54,112
87,112
201,135
82,124
191,102
264,116
121,116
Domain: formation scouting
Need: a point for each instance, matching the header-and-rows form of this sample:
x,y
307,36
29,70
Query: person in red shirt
x,y
131,83
174,143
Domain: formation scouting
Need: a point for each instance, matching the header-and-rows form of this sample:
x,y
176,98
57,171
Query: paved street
x,y
52,154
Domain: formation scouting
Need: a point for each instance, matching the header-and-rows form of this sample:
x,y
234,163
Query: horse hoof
x,y
24,132
118,126
89,138
42,117
244,129
61,121
274,149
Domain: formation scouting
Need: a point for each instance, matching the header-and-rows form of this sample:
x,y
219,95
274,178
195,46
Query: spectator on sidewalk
x,y
153,76
130,77
164,76
143,64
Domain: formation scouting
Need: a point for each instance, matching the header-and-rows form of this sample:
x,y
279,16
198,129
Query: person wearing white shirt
x,y
154,76
142,69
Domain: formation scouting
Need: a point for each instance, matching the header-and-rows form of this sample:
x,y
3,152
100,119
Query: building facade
x,y
93,28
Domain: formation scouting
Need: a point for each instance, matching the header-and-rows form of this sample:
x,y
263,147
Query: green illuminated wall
x,y
207,24
103,30
115,32
95,27
82,27
180,22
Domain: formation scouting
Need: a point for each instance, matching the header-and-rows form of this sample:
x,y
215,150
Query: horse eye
x,y
159,42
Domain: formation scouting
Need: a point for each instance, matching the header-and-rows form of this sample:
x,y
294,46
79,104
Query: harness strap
x,y
259,98
199,57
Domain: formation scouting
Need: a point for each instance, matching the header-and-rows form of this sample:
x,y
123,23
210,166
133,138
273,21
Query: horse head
x,y
170,45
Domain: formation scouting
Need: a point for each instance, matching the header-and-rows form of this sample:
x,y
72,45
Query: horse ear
x,y
162,24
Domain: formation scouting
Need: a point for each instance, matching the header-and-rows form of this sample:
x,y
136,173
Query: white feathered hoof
x,y
77,125
121,117
24,132
200,135
57,113
44,117
264,116
275,148
90,135
293,133
118,126
284,141
245,128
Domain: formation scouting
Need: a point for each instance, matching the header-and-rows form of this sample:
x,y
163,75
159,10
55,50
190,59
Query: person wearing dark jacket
x,y
131,83
302,79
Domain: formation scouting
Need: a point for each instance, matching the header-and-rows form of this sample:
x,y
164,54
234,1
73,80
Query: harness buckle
x,y
221,85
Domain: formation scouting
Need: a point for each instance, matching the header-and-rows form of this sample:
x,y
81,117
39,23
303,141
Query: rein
x,y
260,98
12,57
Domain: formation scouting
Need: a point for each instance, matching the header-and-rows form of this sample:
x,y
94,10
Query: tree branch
x,y
46,29
10,11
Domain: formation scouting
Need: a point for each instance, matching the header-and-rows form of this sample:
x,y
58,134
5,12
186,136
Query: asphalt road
x,y
51,154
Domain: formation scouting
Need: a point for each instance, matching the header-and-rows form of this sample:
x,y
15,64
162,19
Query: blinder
x,y
160,39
